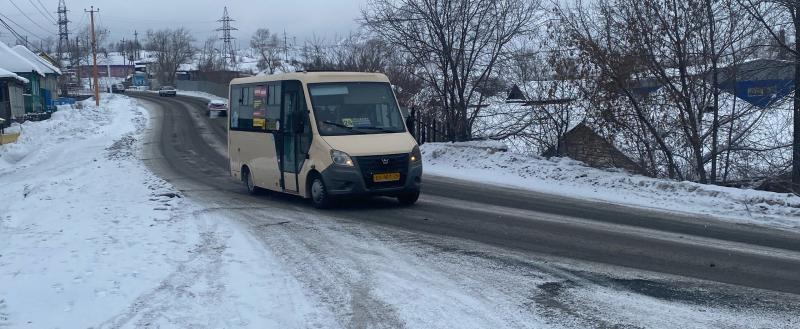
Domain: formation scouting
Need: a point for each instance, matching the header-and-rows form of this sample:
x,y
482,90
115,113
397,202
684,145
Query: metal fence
x,y
426,128
216,89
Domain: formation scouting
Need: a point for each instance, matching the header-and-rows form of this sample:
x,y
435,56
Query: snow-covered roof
x,y
14,62
113,58
187,67
43,64
8,74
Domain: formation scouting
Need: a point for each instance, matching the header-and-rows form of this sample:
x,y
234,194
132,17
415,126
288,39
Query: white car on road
x,y
167,91
218,107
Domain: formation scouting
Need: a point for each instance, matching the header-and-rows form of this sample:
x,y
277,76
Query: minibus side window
x,y
242,109
236,94
273,105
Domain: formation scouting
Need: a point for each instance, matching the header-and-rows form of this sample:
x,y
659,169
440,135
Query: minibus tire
x,y
249,184
408,199
321,199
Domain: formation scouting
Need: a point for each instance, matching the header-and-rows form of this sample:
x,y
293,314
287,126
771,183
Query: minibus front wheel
x,y
319,193
409,198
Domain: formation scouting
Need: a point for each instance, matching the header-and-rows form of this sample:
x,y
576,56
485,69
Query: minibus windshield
x,y
353,108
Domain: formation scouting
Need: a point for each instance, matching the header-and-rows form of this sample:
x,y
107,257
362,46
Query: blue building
x,y
759,82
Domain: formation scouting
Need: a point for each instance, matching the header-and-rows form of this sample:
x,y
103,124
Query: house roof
x,y
43,64
6,74
14,62
759,69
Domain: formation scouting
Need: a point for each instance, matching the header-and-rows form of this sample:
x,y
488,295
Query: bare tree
x,y
360,53
454,43
210,57
172,47
269,48
657,68
775,16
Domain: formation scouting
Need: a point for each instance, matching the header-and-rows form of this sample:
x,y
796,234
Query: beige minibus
x,y
322,136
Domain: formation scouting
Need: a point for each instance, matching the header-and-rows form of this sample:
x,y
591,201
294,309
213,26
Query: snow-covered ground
x,y
483,162
90,238
15,128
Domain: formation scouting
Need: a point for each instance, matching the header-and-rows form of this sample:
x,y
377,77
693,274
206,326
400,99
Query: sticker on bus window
x,y
347,122
259,123
258,104
260,91
361,122
258,114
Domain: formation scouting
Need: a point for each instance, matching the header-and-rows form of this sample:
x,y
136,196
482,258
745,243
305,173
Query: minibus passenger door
x,y
296,131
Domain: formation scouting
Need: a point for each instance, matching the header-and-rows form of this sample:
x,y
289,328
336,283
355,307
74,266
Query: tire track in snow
x,y
178,289
343,283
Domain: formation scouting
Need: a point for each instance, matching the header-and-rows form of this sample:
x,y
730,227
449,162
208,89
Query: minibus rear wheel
x,y
408,199
319,193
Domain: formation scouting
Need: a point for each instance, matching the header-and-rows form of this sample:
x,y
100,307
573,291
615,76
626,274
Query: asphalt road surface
x,y
188,149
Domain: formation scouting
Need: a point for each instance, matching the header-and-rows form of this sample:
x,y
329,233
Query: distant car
x,y
217,106
167,91
118,88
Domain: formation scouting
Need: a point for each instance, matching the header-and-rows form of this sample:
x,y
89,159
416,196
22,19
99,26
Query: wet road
x,y
188,149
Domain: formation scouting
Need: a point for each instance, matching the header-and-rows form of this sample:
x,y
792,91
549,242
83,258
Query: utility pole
x,y
94,56
285,47
136,44
77,61
124,52
228,53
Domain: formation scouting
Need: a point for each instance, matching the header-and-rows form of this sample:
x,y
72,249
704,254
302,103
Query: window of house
x,y
760,91
755,91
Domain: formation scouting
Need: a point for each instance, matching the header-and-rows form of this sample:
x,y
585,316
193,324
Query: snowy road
x,y
479,256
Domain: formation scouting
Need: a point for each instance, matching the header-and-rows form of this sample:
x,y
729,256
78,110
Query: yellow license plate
x,y
388,177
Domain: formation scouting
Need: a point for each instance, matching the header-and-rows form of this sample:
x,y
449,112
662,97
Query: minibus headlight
x,y
416,155
341,158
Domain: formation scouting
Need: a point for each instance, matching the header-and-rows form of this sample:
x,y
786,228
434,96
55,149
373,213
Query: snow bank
x,y
83,225
90,238
563,176
15,128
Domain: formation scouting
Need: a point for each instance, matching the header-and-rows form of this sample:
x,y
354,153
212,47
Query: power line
x,y
81,24
21,27
48,18
28,17
45,10
16,34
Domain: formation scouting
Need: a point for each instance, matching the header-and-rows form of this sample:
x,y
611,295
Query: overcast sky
x,y
300,18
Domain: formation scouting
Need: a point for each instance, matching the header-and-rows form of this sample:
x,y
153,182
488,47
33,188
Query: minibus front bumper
x,y
356,180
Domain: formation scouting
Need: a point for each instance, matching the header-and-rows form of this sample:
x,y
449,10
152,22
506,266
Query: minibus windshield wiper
x,y
336,124
381,129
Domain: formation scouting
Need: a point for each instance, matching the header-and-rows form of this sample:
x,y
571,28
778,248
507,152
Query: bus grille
x,y
378,164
